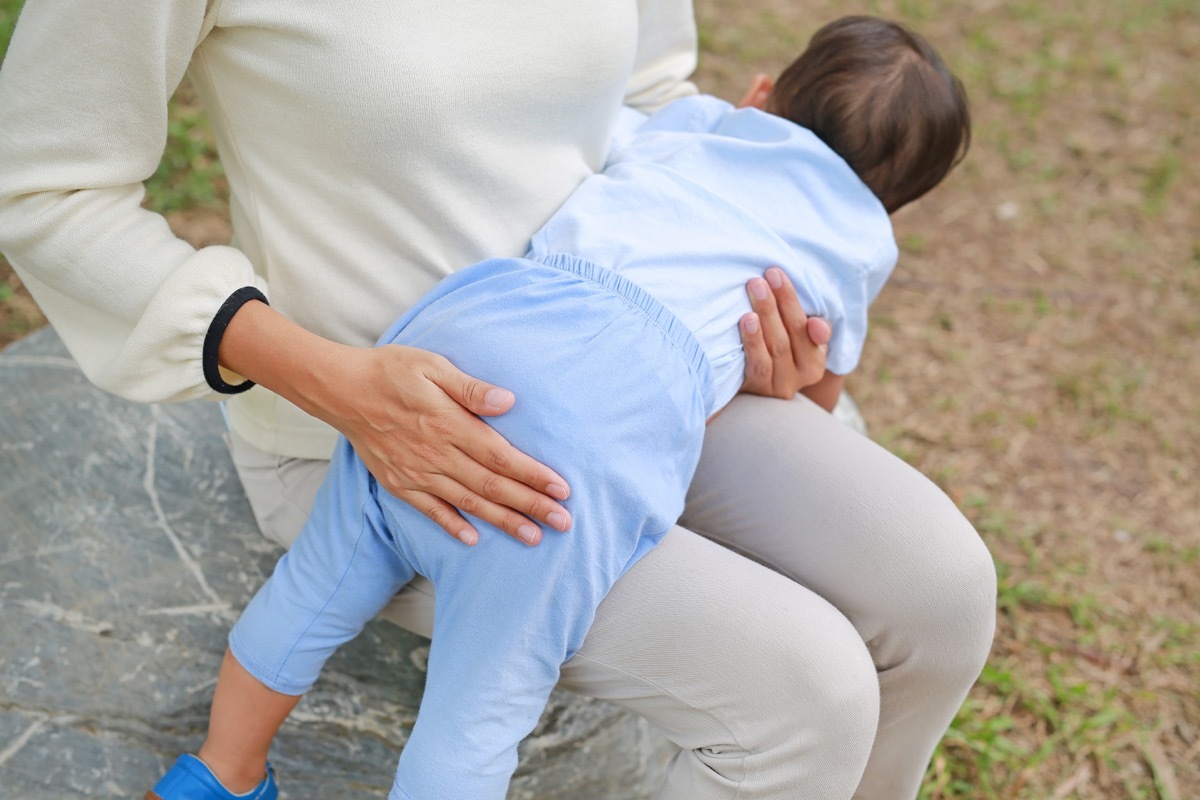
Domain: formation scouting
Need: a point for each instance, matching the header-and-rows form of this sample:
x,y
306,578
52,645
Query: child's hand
x,y
785,348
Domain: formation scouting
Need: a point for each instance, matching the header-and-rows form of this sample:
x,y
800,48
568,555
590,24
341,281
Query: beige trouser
x,y
830,672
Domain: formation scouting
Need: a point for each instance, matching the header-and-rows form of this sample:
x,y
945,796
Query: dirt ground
x,y
1036,356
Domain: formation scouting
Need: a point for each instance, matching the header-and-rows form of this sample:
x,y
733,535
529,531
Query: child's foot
x,y
191,779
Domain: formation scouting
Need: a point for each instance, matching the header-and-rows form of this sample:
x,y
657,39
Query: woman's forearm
x,y
413,419
268,348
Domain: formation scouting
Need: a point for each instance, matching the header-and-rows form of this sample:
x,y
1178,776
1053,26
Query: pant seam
x,y
637,678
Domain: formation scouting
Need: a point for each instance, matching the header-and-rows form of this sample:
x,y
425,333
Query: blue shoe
x,y
191,779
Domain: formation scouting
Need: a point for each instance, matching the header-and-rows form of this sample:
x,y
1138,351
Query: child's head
x,y
882,98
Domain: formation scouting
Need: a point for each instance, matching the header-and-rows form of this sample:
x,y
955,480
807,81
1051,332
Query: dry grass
x,y
1035,356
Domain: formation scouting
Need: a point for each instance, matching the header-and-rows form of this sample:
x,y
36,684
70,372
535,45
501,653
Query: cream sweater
x,y
371,147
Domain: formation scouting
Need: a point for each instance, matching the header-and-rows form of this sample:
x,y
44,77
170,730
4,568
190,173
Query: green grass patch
x,y
8,20
190,174
1160,177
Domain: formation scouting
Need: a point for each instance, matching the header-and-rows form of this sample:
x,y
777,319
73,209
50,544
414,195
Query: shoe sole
x,y
151,796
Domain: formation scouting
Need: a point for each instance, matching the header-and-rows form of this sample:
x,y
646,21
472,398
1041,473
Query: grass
x,y
190,174
8,19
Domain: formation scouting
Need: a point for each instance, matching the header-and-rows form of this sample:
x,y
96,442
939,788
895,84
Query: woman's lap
x,y
754,671
841,516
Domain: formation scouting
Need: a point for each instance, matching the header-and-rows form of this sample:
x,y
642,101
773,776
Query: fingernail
x,y
759,288
468,536
496,398
751,324
527,533
775,277
558,521
557,491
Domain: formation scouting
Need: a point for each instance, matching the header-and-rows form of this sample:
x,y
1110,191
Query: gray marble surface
x,y
127,550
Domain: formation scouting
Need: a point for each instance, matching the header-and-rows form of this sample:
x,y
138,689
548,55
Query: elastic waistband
x,y
675,331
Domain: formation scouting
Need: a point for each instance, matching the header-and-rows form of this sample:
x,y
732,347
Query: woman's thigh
x,y
785,484
767,689
790,487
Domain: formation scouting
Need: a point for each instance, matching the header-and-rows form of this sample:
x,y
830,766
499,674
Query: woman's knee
x,y
821,700
759,680
950,604
970,602
794,713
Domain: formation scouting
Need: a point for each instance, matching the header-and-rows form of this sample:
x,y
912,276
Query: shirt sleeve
x,y
856,295
666,54
83,122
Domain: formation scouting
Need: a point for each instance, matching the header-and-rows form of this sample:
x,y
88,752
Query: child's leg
x,y
507,616
243,722
338,575
608,395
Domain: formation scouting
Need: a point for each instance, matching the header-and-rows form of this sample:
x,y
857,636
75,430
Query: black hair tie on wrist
x,y
216,330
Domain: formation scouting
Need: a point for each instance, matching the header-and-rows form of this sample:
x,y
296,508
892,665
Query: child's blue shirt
x,y
700,197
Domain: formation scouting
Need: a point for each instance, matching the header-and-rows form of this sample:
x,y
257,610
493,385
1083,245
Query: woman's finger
x,y
758,361
791,313
819,331
776,338
483,443
808,359
466,500
509,494
444,515
478,397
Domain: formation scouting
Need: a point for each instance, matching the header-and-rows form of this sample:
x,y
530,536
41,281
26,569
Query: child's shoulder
x,y
679,125
708,117
698,113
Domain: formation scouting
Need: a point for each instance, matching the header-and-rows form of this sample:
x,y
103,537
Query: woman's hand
x,y
785,348
413,423
411,416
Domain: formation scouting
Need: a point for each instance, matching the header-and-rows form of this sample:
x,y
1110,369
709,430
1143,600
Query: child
x,y
618,330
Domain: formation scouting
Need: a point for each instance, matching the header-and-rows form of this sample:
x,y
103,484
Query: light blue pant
x,y
612,393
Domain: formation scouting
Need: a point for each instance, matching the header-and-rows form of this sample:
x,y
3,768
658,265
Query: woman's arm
x,y
411,417
666,54
83,122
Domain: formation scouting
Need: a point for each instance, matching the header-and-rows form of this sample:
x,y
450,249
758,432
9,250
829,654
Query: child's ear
x,y
758,93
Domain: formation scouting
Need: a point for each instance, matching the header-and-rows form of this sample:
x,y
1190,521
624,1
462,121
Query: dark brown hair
x,y
882,98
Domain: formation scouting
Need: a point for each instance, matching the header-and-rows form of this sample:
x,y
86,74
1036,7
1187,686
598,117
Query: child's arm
x,y
826,391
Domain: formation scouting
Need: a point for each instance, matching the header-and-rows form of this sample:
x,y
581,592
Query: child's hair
x,y
882,98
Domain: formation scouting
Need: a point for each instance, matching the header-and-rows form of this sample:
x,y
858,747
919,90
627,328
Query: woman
x,y
372,150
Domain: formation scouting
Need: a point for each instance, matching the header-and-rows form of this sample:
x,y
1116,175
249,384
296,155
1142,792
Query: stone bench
x,y
128,548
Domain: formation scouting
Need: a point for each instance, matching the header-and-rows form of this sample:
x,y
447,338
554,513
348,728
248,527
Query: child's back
x,y
702,197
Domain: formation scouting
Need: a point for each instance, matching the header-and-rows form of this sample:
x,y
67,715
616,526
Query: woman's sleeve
x,y
666,54
83,122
